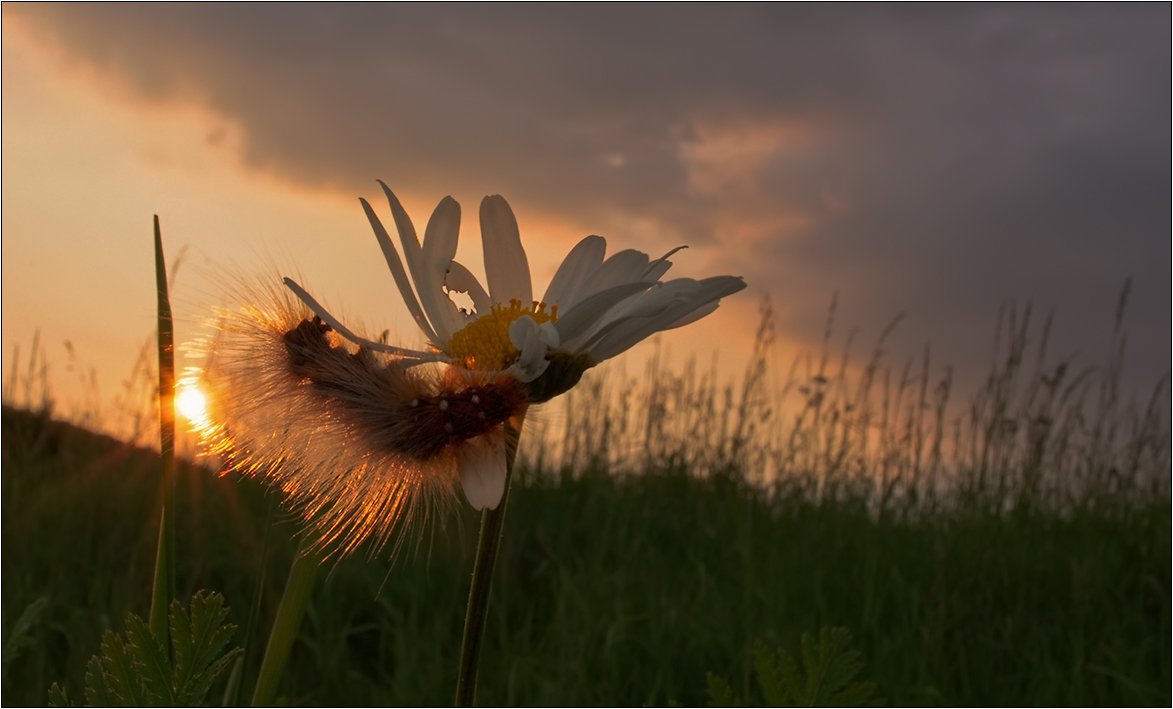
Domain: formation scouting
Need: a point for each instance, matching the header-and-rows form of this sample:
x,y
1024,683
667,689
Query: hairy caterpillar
x,y
360,441
399,413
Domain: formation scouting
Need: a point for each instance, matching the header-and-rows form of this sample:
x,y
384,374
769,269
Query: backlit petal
x,y
412,251
694,315
506,266
393,262
482,470
631,331
624,267
587,313
341,329
461,280
439,248
657,269
655,299
576,268
660,309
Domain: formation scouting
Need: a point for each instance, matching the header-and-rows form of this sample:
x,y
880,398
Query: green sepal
x,y
563,372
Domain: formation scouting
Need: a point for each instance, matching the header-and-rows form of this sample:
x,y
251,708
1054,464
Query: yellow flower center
x,y
484,343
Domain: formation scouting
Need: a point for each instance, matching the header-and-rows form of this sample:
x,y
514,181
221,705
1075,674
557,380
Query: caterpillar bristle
x,y
363,443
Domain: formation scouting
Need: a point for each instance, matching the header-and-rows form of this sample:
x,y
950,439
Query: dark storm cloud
x,y
930,161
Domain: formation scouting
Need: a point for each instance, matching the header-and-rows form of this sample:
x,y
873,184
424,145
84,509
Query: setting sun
x,y
191,404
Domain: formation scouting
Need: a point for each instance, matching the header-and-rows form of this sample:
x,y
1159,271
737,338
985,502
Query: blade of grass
x,y
302,576
164,586
232,691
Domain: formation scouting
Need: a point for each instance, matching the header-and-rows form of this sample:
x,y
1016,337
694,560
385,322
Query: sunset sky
x,y
933,162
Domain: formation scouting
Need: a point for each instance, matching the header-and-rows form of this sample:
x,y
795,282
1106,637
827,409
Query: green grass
x,y
1013,549
610,589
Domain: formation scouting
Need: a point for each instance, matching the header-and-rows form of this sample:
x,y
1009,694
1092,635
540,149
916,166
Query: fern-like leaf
x,y
773,675
143,672
98,691
826,677
720,693
830,669
199,646
117,681
152,662
58,697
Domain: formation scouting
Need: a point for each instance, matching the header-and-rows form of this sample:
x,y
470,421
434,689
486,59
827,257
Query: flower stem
x,y
492,523
298,588
164,585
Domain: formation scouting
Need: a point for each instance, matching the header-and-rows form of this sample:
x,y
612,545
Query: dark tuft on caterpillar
x,y
414,415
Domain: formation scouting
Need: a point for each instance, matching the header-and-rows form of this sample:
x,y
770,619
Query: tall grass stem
x,y
164,585
232,691
294,600
492,524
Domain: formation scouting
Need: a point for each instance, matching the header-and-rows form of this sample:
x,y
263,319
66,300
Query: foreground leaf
x,y
825,679
140,672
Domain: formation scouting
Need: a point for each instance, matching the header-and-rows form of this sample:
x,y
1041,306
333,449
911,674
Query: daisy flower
x,y
361,432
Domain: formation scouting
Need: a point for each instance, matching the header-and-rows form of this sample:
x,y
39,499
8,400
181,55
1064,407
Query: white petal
x,y
681,290
654,300
624,267
392,257
657,268
629,332
436,256
662,295
506,267
461,280
576,268
695,315
533,340
578,320
650,303
412,251
686,297
720,286
341,329
482,470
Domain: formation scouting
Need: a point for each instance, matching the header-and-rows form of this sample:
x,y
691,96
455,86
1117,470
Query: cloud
x,y
933,161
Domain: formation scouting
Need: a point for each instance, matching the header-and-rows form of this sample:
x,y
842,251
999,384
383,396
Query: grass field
x,y
1017,554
